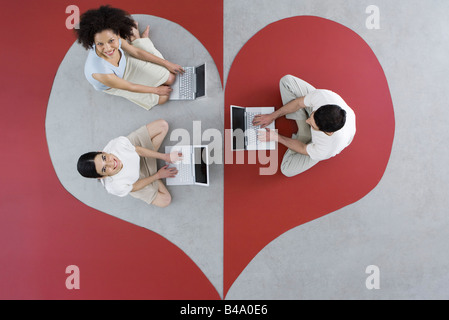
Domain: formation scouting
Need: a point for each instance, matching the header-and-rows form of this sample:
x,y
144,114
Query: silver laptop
x,y
190,85
245,133
193,169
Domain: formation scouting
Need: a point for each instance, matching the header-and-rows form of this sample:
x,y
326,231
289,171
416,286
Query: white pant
x,y
292,88
144,73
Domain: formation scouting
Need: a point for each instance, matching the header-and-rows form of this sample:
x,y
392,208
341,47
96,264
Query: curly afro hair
x,y
96,20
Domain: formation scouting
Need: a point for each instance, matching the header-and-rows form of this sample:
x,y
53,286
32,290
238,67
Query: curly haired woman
x,y
120,61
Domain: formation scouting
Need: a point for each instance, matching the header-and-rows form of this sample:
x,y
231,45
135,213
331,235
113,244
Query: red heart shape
x,y
329,56
43,228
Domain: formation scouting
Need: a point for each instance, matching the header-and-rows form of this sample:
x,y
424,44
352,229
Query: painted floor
x,y
381,203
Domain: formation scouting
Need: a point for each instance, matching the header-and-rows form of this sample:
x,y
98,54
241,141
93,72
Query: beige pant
x,y
144,73
292,88
148,166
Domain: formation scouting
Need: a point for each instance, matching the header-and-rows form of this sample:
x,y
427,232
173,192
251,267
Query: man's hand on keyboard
x,y
267,135
263,120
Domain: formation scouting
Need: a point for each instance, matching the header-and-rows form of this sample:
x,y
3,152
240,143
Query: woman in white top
x,y
135,70
127,165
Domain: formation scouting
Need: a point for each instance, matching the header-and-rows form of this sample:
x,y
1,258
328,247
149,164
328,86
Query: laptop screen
x,y
238,128
238,118
200,165
200,80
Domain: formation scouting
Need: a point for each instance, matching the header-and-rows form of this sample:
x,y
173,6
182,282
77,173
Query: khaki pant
x,y
148,166
292,88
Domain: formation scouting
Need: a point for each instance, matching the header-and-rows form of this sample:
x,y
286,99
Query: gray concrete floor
x,y
402,226
97,117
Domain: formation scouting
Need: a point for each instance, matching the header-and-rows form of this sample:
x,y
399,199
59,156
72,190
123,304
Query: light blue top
x,y
95,64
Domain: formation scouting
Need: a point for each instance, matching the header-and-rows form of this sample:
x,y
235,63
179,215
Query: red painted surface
x,y
329,56
43,229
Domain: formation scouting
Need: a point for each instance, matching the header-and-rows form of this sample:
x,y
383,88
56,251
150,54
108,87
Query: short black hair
x,y
330,118
86,165
97,20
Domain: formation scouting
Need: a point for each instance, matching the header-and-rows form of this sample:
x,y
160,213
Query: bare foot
x,y
146,33
135,31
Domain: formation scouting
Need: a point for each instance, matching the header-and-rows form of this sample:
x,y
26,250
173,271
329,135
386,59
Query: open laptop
x,y
190,85
242,122
193,169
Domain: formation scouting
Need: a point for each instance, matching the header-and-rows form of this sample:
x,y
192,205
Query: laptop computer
x,y
190,85
245,133
193,169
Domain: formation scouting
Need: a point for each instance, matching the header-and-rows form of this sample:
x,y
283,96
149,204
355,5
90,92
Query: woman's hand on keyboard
x,y
263,120
167,172
163,90
174,68
267,135
173,157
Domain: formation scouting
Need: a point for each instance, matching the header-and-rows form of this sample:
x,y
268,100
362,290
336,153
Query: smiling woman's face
x,y
106,164
106,43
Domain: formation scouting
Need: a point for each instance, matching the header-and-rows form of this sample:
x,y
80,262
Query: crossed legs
x,y
145,34
157,131
291,88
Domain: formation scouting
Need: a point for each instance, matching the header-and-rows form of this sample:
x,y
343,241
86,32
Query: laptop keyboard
x,y
186,84
250,117
252,129
185,172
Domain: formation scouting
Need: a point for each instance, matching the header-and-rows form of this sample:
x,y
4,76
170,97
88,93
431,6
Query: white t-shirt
x,y
322,146
121,183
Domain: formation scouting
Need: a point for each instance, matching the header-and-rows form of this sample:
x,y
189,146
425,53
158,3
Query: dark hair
x,y
330,118
86,165
96,20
